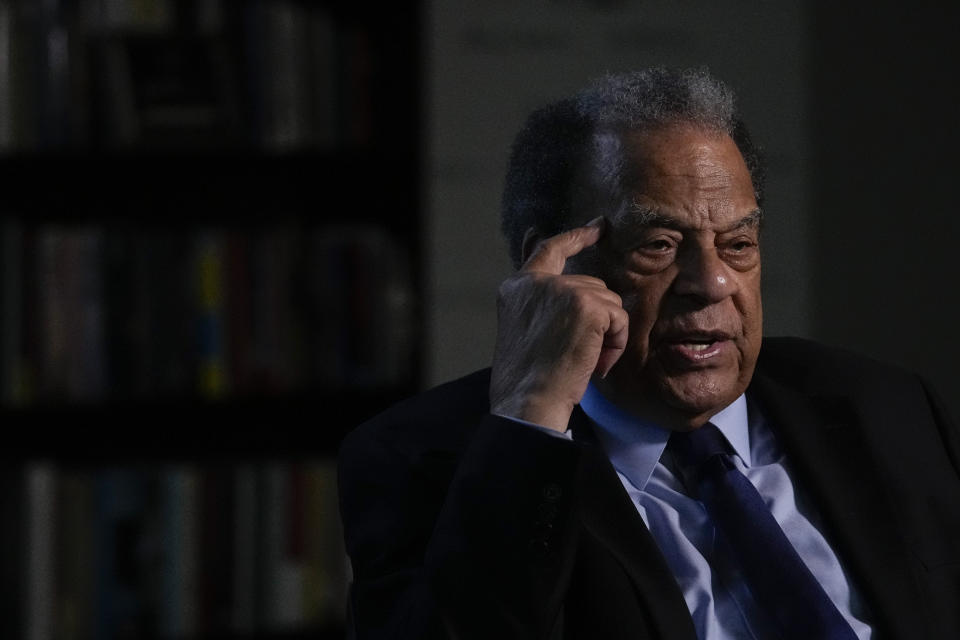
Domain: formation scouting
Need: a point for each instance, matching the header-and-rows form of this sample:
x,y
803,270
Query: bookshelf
x,y
209,273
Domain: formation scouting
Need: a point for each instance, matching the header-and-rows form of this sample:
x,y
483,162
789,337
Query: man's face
x,y
682,250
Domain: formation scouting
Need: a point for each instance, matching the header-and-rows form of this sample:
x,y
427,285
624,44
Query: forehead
x,y
694,175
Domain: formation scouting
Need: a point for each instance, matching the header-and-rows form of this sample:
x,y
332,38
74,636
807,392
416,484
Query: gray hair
x,y
542,189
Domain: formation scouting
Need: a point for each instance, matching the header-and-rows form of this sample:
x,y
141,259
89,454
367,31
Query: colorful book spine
x,y
212,363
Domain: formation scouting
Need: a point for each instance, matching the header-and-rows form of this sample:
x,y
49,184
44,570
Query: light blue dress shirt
x,y
716,594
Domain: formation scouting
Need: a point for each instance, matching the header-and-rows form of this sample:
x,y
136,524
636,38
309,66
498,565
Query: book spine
x,y
356,58
216,549
286,90
246,526
7,87
283,575
179,615
27,375
41,486
54,339
325,558
11,298
276,347
86,378
321,63
122,511
13,541
212,365
239,312
74,554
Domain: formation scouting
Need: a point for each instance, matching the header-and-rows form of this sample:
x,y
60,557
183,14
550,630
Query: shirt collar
x,y
635,444
732,423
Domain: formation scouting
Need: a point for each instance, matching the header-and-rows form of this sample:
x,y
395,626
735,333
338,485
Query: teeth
x,y
696,346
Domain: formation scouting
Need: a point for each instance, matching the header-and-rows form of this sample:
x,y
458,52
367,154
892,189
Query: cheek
x,y
748,304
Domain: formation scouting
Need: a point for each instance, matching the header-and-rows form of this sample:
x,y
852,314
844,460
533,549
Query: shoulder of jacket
x,y
816,364
437,416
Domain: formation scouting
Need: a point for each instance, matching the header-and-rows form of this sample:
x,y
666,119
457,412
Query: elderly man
x,y
635,464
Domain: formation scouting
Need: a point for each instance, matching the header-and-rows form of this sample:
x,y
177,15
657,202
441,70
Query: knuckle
x,y
549,245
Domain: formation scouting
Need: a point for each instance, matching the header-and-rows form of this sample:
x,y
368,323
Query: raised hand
x,y
554,331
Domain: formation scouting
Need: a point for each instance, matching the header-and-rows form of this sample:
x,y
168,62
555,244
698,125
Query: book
x,y
11,301
321,62
286,89
86,378
213,383
41,531
70,289
293,75
13,542
326,572
123,566
179,576
278,321
216,554
150,313
364,307
357,62
244,619
26,374
239,312
282,570
75,560
167,308
53,288
114,118
7,73
135,15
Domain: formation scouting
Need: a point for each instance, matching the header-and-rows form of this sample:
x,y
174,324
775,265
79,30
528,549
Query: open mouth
x,y
697,345
693,349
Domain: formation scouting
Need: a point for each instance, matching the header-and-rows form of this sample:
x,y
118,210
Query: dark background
x,y
884,208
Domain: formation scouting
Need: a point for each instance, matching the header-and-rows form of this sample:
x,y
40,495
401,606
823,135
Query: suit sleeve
x,y
483,550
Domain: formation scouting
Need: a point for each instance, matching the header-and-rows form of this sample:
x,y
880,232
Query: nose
x,y
703,276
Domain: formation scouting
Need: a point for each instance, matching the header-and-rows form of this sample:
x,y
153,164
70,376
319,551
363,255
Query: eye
x,y
659,245
653,254
741,252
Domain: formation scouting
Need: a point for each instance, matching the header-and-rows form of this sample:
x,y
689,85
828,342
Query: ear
x,y
531,238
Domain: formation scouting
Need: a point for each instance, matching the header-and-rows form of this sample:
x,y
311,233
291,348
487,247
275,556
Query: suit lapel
x,y
611,517
822,439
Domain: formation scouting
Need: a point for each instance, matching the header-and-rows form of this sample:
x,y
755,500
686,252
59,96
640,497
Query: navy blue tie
x,y
780,582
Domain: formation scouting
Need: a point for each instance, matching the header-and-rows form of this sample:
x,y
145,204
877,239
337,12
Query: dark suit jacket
x,y
460,524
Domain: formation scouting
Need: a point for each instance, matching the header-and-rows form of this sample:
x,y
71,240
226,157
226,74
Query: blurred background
x,y
231,230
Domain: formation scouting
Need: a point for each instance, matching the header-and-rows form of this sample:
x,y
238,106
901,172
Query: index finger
x,y
551,254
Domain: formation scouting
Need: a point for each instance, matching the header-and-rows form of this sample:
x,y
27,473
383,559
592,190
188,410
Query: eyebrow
x,y
651,217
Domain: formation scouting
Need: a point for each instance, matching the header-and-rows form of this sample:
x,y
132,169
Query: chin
x,y
696,396
677,401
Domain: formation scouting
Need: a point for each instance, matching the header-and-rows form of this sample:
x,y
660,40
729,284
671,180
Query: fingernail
x,y
596,222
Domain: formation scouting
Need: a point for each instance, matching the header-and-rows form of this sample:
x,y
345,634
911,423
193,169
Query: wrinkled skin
x,y
659,302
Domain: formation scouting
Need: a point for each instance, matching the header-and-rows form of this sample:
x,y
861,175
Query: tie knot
x,y
693,448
